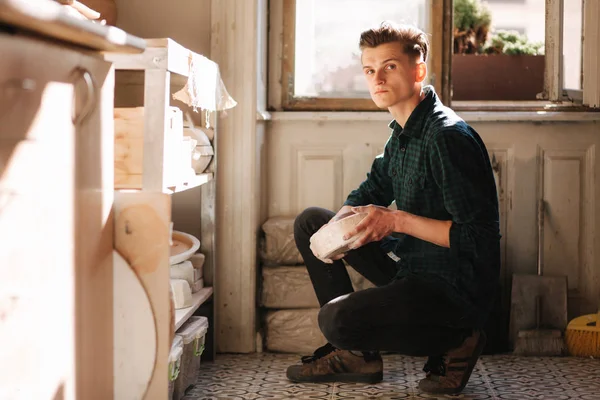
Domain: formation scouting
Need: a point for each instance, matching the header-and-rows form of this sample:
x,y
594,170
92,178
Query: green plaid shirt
x,y
438,167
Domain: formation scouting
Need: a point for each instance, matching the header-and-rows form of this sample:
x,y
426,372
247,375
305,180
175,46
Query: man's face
x,y
391,74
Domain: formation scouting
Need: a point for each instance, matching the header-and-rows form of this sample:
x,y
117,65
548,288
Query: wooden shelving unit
x,y
196,181
198,299
162,59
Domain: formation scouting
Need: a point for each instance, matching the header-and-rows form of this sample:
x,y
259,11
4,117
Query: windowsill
x,y
469,116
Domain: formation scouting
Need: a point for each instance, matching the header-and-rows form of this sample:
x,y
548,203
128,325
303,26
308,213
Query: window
x,y
327,58
498,50
319,61
572,48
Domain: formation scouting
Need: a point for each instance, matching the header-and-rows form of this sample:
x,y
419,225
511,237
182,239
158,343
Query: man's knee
x,y
310,220
337,325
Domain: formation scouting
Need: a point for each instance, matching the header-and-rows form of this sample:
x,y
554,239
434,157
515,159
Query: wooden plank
x,y
128,181
591,54
198,299
447,52
51,19
151,58
142,239
178,57
37,231
238,154
436,48
156,102
288,52
94,235
129,148
553,43
275,68
163,54
195,181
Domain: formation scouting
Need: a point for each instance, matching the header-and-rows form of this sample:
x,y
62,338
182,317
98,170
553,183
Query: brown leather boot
x,y
329,364
452,375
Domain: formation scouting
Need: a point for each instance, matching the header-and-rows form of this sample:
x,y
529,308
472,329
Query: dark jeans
x,y
409,315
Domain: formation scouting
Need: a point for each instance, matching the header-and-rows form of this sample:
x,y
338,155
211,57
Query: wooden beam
x,y
448,51
164,54
436,48
591,53
156,97
553,71
234,42
50,19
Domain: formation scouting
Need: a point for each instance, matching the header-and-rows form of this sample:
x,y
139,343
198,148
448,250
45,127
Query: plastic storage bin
x,y
193,335
174,363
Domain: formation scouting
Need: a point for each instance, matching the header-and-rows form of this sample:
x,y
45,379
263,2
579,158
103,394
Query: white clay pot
x,y
329,241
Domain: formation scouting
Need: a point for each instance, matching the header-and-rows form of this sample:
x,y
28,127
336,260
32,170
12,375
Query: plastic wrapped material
x,y
290,287
287,287
279,246
205,88
197,274
193,335
198,261
196,286
184,270
182,293
293,331
174,363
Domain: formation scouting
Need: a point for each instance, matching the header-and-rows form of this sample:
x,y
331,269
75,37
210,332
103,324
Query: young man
x,y
435,260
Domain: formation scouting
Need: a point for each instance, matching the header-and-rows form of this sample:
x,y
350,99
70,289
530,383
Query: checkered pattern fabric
x,y
438,167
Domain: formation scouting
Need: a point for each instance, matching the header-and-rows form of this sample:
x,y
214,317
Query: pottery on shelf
x,y
183,247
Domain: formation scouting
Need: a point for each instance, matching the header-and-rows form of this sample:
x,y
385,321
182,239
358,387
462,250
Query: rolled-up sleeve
x,y
462,171
377,188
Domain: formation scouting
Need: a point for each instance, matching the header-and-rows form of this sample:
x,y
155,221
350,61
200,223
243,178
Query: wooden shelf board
x,y
134,182
51,19
196,181
164,54
198,299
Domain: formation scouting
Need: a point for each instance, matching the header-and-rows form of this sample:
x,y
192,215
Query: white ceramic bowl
x,y
184,246
329,241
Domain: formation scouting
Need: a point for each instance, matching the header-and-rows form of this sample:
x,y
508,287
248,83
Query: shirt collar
x,y
414,124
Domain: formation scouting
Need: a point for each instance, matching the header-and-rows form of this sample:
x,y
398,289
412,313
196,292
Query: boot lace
x,y
435,365
319,353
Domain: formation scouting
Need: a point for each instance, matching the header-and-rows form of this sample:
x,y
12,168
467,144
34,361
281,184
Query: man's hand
x,y
379,223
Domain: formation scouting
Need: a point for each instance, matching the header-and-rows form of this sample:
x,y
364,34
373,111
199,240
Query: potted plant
x,y
497,66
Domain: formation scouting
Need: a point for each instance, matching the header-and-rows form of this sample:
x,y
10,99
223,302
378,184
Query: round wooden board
x,y
134,333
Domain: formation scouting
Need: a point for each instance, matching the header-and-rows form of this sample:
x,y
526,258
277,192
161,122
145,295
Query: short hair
x,y
413,39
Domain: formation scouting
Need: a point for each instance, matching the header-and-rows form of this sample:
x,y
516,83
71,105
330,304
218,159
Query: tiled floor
x,y
262,376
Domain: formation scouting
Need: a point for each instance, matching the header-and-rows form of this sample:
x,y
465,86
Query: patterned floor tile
x,y
262,376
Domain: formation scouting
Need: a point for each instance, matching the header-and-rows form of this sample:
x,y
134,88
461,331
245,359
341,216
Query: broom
x,y
582,336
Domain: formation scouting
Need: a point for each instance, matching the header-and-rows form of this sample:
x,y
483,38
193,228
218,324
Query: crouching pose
x,y
435,260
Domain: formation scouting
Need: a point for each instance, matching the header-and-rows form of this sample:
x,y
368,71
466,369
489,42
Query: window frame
x,y
289,102
554,96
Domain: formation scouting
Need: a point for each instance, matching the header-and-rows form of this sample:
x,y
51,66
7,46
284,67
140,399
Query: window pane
x,y
503,60
327,58
572,30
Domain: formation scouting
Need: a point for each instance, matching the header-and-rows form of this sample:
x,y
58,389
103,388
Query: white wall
x,y
185,21
318,162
